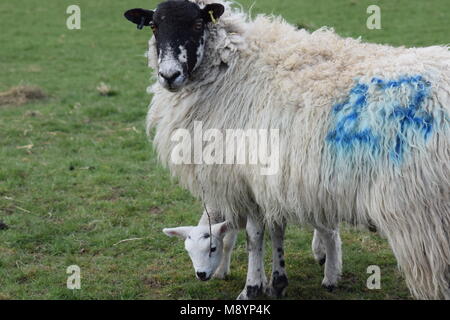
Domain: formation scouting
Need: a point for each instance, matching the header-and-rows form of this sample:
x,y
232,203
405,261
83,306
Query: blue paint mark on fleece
x,y
382,116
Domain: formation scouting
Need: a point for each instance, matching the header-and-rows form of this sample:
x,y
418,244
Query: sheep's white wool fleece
x,y
364,134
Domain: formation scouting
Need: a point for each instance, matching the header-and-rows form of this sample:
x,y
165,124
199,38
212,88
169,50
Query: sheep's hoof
x,y
251,292
276,293
330,288
329,285
243,295
278,285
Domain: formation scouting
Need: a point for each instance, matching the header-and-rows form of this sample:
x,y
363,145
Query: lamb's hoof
x,y
221,275
322,261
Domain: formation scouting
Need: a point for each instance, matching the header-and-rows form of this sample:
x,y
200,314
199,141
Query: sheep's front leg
x,y
331,241
256,277
228,244
279,281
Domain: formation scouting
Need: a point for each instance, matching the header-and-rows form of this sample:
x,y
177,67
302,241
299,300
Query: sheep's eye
x,y
153,26
206,236
213,249
198,25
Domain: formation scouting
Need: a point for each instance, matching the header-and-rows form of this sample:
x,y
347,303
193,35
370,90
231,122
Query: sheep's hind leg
x,y
279,281
318,248
333,264
228,244
256,278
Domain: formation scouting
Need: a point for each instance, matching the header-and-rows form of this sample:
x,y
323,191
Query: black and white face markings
x,y
179,27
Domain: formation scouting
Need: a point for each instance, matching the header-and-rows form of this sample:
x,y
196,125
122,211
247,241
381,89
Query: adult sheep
x,y
363,128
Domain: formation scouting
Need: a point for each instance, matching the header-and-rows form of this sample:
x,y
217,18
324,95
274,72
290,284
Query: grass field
x,y
77,174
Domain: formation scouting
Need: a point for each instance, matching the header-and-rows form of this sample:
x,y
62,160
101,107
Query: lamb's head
x,y
204,249
180,29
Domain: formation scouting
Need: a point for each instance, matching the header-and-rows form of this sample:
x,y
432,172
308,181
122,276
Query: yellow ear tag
x,y
211,14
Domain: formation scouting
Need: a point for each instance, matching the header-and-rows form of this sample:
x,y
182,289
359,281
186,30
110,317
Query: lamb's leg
x,y
278,281
318,248
228,244
333,265
256,278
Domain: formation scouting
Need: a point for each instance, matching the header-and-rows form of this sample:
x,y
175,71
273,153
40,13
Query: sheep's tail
x,y
420,233
423,253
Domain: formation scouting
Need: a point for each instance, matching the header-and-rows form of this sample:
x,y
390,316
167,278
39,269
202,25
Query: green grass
x,y
91,179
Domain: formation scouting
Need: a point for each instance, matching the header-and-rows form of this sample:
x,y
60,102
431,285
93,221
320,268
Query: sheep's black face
x,y
179,29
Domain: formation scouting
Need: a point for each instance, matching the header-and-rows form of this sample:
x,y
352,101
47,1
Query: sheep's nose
x,y
201,275
170,78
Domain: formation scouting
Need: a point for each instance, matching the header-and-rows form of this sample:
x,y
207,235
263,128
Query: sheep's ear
x,y
139,16
180,232
212,12
220,229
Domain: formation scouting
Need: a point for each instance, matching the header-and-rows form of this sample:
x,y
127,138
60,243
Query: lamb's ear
x,y
220,229
141,17
212,12
180,232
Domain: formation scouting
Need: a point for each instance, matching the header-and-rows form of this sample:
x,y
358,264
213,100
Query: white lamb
x,y
211,243
363,129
